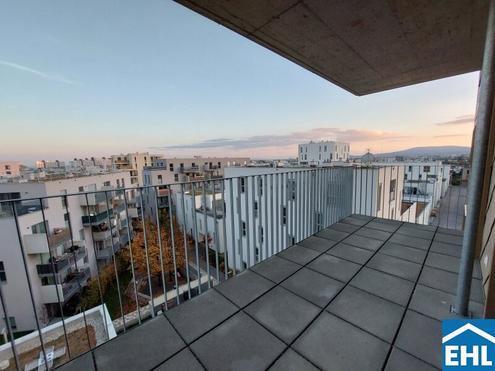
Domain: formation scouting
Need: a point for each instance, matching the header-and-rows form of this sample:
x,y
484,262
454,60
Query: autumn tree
x,y
153,246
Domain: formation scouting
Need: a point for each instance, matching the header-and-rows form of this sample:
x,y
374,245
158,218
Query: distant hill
x,y
428,151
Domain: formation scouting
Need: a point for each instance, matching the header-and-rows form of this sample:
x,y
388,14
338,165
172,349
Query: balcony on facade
x,y
40,243
63,292
61,263
96,218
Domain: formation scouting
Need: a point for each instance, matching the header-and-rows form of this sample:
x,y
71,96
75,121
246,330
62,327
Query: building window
x,y
393,184
160,179
284,215
3,275
243,185
106,184
38,228
244,229
410,168
171,167
426,169
176,177
255,209
405,176
219,165
81,189
260,182
325,148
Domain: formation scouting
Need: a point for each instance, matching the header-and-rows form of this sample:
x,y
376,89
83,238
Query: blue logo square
x,y
468,344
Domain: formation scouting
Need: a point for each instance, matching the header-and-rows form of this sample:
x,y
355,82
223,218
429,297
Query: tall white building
x,y
324,152
63,238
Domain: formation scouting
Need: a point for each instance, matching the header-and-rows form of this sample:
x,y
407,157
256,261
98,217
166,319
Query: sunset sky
x,y
93,78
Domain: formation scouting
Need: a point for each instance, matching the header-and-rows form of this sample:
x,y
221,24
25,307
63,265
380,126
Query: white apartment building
x,y
63,256
134,163
324,152
426,180
378,191
262,206
9,169
50,164
166,171
204,209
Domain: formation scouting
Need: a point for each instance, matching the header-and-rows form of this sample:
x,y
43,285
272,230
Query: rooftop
x,y
365,293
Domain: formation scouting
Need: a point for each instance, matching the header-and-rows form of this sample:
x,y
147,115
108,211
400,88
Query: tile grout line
x,y
408,304
337,294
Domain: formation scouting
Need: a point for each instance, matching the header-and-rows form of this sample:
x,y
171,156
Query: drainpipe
x,y
480,149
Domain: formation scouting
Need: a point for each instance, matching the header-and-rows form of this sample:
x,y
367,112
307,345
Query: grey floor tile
x,y
244,288
415,232
446,249
403,252
369,312
238,344
291,361
332,234
276,269
455,232
283,313
401,361
362,217
441,261
83,362
299,254
421,336
447,281
448,238
384,285
334,267
381,226
418,243
317,243
354,221
141,348
352,253
344,227
373,233
437,304
421,227
363,242
198,315
397,267
333,344
388,221
184,360
315,287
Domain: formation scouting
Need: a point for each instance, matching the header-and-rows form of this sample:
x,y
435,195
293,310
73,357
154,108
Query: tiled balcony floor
x,y
364,294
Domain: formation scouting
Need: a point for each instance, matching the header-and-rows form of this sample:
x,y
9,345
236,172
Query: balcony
x,y
62,262
94,199
95,219
38,244
65,290
366,293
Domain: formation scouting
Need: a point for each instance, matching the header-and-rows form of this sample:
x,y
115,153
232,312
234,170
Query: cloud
x,y
459,120
282,140
38,73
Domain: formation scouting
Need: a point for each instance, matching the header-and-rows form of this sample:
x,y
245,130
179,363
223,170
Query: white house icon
x,y
458,355
465,328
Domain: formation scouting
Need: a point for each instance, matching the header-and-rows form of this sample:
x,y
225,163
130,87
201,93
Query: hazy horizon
x,y
94,78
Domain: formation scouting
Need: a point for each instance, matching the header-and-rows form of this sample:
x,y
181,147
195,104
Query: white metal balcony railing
x,y
180,251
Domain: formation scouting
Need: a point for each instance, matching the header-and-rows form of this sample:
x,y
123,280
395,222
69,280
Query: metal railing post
x,y
480,150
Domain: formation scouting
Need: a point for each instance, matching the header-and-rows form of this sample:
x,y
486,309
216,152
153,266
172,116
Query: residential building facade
x,y
324,152
63,240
